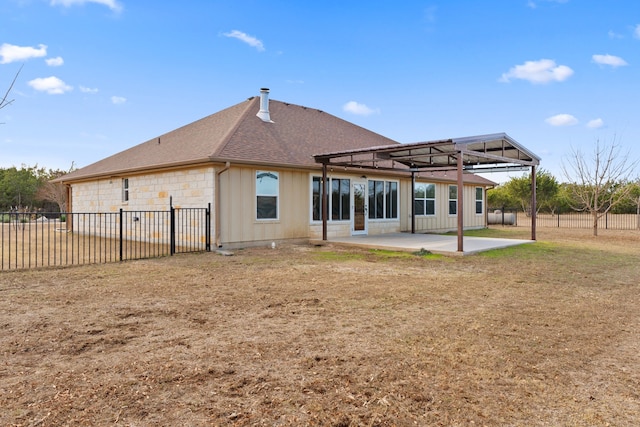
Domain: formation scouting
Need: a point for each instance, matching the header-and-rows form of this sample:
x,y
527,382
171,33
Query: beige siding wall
x,y
195,188
441,221
238,223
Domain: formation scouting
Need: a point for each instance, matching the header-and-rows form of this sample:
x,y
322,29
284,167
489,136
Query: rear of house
x,y
253,163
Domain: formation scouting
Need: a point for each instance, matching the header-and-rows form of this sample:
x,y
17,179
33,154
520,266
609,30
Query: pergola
x,y
474,154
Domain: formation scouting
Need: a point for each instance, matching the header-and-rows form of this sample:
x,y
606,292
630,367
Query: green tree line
x,y
29,188
556,198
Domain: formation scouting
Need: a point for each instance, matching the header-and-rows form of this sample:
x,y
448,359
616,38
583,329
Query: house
x,y
260,165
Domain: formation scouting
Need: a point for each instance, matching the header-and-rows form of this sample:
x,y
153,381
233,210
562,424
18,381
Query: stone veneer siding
x,y
190,188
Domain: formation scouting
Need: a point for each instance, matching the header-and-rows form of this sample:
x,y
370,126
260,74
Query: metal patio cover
x,y
482,153
472,154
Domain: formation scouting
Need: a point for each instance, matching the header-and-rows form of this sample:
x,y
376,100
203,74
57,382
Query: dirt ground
x,y
536,335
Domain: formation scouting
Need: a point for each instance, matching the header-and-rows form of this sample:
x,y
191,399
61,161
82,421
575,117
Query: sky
x,y
99,76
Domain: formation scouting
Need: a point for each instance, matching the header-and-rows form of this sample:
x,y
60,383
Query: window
x,y
125,189
267,190
339,199
479,200
453,200
391,199
383,199
316,191
424,199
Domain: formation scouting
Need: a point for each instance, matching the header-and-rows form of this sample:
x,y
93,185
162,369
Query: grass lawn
x,y
538,334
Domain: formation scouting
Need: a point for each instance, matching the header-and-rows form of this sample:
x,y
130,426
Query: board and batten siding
x,y
238,223
441,221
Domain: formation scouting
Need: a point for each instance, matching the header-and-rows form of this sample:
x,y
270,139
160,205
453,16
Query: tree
x,y
54,191
517,191
599,183
4,101
18,187
499,197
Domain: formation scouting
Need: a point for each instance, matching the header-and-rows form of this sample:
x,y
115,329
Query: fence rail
x,y
47,239
608,221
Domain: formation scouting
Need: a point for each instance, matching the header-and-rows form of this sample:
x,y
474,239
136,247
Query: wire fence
x,y
48,239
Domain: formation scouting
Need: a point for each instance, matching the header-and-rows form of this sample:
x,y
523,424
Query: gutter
x,y
217,205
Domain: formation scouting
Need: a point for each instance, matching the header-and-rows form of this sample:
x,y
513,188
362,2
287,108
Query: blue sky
x,y
100,76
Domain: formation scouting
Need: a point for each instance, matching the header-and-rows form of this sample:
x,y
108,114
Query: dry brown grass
x,y
542,334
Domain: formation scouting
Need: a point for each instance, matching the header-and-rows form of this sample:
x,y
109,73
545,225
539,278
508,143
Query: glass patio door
x,y
359,203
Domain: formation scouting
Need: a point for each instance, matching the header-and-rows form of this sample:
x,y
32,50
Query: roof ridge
x,y
232,129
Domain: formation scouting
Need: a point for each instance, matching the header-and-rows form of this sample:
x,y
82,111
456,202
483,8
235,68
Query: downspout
x,y
217,206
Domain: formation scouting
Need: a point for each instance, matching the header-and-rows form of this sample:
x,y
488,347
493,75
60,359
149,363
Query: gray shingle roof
x,y
237,135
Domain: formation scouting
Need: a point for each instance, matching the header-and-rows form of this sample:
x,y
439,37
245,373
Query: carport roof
x,y
482,153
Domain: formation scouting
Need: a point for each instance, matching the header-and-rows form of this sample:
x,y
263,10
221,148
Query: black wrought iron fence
x,y
43,239
609,221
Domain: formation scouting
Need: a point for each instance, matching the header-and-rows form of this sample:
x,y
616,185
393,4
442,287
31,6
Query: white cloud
x,y
118,100
614,61
84,89
533,5
430,14
354,107
562,120
244,37
614,35
636,32
111,4
542,71
11,53
595,123
54,62
52,85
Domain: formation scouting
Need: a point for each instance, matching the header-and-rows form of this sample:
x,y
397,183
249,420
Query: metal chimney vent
x,y
263,114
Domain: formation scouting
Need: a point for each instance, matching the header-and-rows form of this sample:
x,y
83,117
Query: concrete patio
x,y
434,243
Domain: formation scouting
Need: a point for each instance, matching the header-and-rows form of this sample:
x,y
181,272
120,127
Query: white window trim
x,y
126,190
449,199
277,196
328,189
385,219
434,198
475,192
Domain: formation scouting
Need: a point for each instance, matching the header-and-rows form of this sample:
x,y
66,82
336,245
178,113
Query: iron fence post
x,y
208,228
172,231
120,239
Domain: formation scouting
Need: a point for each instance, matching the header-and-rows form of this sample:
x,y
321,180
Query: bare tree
x,y
55,191
600,182
5,99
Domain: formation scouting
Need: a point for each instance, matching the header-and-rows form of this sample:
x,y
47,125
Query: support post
x,y
534,206
325,201
460,203
413,203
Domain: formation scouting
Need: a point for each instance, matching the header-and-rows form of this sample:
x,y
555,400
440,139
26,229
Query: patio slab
x,y
434,243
